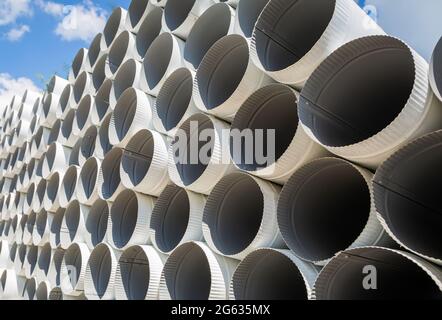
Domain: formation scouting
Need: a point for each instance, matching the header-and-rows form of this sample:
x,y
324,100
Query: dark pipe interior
x,y
56,224
406,195
150,29
53,186
102,99
174,98
75,152
338,105
187,274
41,222
44,259
83,111
437,66
55,132
80,86
124,113
88,176
42,292
135,273
136,11
273,107
208,29
96,222
100,264
176,12
170,217
111,172
31,257
189,171
118,51
124,213
138,156
103,135
234,212
248,12
88,143
316,230
125,77
157,58
345,277
70,182
41,190
66,128
78,62
73,259
72,217
94,49
288,29
268,275
64,98
112,26
222,69
30,194
99,75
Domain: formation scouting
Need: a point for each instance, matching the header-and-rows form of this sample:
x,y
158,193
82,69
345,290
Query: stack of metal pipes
x,y
311,167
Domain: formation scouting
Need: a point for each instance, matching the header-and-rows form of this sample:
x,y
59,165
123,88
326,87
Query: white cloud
x,y
10,10
15,34
76,22
10,86
50,7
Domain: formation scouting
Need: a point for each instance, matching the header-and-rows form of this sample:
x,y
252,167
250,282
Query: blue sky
x,y
37,40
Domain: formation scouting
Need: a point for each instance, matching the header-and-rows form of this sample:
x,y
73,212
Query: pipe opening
x,y
211,26
30,223
234,212
44,258
88,176
56,223
41,223
341,278
30,194
406,195
248,12
80,86
118,51
124,215
53,187
103,135
42,292
96,222
135,273
88,142
125,77
56,294
83,111
157,59
316,230
124,113
287,30
273,107
65,98
72,218
112,26
102,99
95,49
188,170
22,254
268,275
51,154
149,30
100,264
57,261
66,128
187,273
222,69
29,289
170,218
435,70
137,8
99,73
47,104
55,132
176,12
111,172
174,98
75,153
41,190
70,182
346,110
39,170
138,155
78,62
12,252
31,258
73,261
